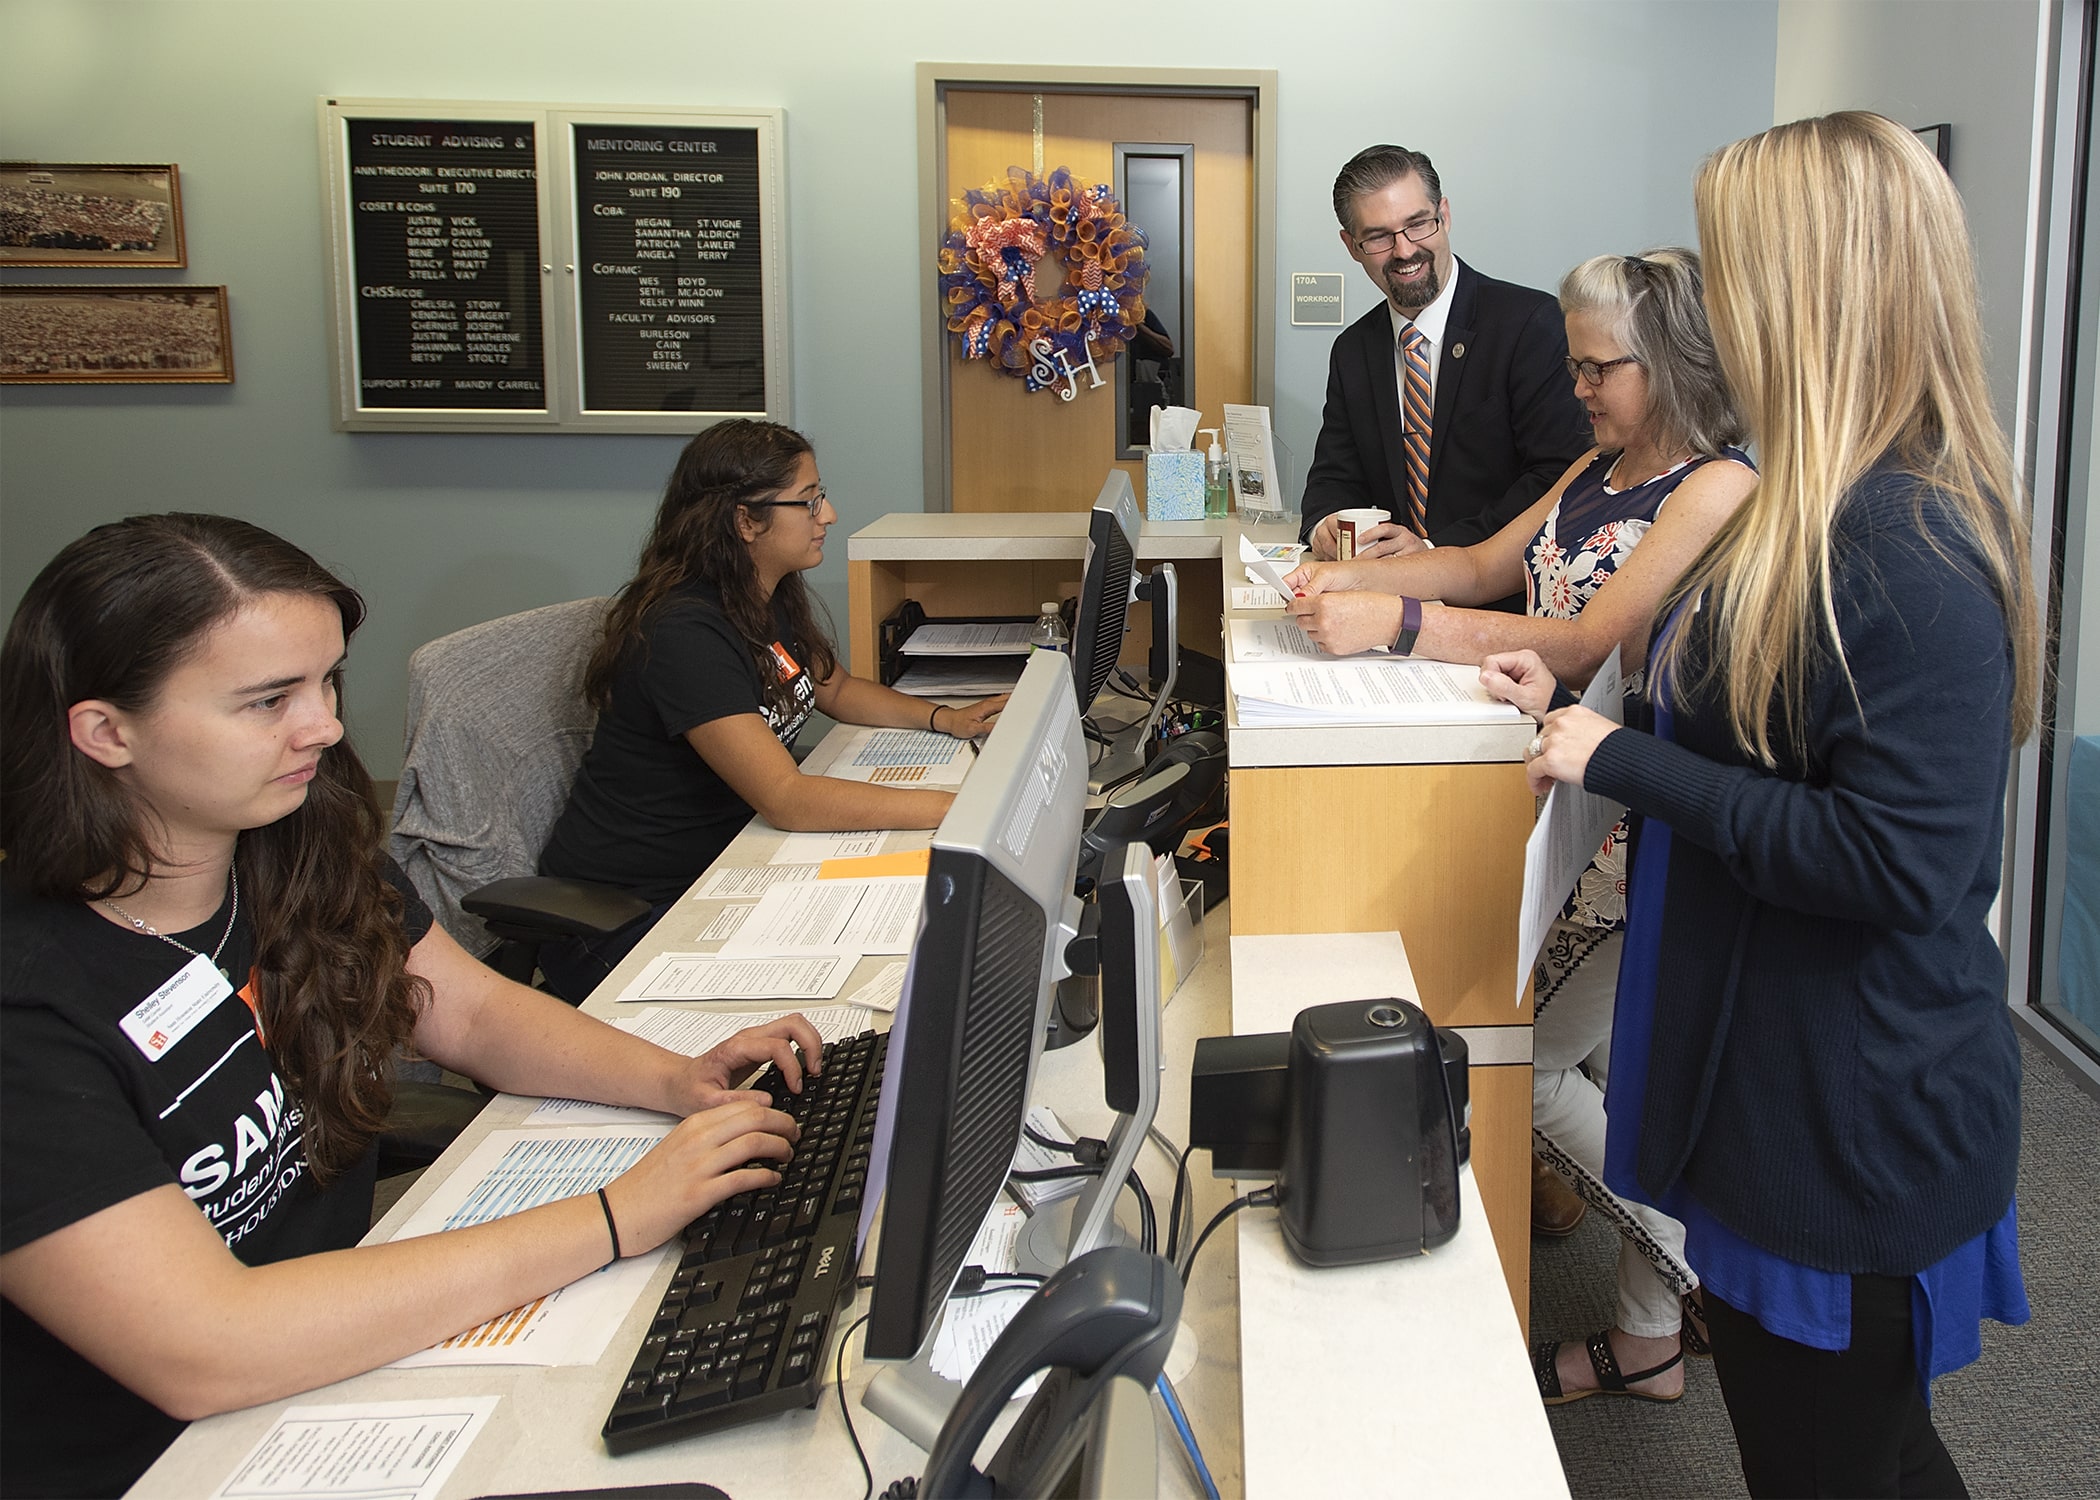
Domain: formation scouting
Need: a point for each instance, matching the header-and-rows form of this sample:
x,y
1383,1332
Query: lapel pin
x,y
1458,351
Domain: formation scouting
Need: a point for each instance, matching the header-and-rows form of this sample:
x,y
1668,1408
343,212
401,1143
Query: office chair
x,y
497,727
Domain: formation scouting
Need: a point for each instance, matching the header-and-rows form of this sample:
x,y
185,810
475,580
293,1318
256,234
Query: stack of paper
x,y
964,659
1362,690
960,676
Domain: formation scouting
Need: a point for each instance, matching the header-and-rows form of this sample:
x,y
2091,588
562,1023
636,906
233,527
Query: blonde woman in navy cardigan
x,y
1813,1066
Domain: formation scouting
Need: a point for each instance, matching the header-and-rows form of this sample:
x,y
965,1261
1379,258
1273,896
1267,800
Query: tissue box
x,y
1174,486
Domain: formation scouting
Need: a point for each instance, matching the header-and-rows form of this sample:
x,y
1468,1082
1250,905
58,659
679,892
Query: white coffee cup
x,y
1349,524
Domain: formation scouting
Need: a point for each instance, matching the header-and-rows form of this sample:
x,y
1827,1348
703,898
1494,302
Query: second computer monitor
x,y
969,1027
1104,591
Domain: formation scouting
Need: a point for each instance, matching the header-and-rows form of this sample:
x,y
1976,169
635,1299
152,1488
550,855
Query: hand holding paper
x,y
1259,565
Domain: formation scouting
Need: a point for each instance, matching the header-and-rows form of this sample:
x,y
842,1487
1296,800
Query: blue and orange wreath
x,y
998,238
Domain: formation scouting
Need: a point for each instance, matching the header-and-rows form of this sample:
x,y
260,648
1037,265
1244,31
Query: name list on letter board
x,y
671,298
446,237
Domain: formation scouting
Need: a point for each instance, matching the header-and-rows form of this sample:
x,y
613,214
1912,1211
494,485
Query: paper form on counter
x,y
973,1324
832,916
815,848
1370,690
902,757
883,991
1283,640
513,1170
1570,830
749,882
709,976
381,1450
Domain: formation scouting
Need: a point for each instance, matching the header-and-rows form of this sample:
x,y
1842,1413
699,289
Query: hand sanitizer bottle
x,y
1217,480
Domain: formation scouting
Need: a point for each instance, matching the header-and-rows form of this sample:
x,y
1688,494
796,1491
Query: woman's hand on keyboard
x,y
705,1159
790,1044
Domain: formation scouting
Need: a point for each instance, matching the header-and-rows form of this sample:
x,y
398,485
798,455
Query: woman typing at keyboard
x,y
210,962
712,661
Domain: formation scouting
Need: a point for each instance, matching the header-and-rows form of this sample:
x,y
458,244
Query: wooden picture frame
x,y
91,214
102,335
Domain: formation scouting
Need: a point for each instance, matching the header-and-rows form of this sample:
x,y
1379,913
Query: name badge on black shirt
x,y
167,1015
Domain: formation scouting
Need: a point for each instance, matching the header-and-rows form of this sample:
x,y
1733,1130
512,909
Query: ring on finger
x,y
1537,747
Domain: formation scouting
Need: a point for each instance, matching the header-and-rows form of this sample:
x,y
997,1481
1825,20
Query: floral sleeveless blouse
x,y
1585,539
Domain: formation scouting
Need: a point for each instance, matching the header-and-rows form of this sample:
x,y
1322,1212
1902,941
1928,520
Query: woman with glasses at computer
x,y
210,963
1593,555
1814,1065
713,659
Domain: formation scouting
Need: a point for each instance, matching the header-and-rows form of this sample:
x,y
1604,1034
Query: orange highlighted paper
x,y
911,862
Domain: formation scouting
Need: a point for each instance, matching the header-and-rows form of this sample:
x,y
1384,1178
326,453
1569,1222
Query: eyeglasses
x,y
1594,370
1378,241
814,504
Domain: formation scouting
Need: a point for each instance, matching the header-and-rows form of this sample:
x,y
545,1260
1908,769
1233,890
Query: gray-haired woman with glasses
x,y
713,660
1594,556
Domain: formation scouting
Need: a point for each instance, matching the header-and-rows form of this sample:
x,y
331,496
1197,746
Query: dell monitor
x,y
998,913
1104,592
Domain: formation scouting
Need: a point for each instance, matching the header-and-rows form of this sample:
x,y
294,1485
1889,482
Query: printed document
x,y
1284,640
1255,596
1570,830
709,976
513,1170
1009,638
749,882
973,1324
1363,691
832,916
815,848
902,757
382,1450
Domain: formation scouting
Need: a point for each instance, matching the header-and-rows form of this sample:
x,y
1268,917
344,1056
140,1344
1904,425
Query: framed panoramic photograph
x,y
77,335
90,214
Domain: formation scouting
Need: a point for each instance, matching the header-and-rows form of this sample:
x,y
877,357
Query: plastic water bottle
x,y
1050,633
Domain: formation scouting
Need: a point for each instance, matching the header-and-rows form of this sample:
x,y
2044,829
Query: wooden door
x,y
1010,449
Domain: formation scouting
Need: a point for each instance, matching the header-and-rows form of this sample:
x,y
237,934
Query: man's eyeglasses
x,y
814,504
1594,370
1378,241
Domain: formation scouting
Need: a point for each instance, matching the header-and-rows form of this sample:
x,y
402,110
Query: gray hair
x,y
1377,167
1652,302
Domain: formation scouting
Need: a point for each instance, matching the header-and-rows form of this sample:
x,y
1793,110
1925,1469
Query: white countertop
x,y
1429,1343
914,536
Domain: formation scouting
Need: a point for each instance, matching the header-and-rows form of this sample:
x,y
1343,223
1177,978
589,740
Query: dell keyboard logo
x,y
824,1262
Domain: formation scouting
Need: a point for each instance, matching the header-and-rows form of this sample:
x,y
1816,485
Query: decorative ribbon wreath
x,y
998,235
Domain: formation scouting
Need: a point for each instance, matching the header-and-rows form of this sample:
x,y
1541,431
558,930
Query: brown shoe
x,y
1556,1208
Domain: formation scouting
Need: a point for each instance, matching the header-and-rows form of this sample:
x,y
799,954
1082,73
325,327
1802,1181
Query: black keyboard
x,y
742,1330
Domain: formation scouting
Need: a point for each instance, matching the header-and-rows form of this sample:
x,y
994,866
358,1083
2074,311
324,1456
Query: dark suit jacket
x,y
1506,423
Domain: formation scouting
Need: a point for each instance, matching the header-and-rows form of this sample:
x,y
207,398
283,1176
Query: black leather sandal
x,y
1610,1382
1693,1329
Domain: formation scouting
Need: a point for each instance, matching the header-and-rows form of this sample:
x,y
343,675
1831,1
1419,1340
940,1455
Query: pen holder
x,y
1174,486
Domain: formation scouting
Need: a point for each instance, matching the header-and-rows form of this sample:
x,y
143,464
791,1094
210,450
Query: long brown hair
x,y
1842,294
695,538
111,617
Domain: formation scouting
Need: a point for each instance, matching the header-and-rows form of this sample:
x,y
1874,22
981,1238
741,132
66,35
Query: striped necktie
x,y
1415,346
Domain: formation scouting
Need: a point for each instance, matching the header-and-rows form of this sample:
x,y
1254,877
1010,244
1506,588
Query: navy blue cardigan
x,y
1834,1074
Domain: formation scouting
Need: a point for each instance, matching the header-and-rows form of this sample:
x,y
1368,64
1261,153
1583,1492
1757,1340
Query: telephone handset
x,y
1111,1313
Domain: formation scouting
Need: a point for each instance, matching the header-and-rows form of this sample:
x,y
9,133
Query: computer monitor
x,y
968,1032
1104,592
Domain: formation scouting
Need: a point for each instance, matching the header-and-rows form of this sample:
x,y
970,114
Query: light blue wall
x,y
1562,128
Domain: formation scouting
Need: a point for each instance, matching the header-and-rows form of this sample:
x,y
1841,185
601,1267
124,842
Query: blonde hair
x,y
1842,297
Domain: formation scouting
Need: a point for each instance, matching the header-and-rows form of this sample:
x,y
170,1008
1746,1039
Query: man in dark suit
x,y
1483,361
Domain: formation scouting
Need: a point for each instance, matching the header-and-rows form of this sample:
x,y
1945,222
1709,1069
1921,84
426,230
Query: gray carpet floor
x,y
2023,1421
